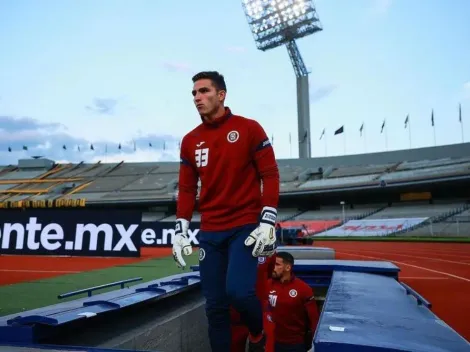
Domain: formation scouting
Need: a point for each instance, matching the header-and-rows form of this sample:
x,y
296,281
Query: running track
x,y
438,271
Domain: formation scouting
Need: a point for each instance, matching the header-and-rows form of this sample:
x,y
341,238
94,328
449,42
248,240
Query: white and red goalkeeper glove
x,y
181,244
264,236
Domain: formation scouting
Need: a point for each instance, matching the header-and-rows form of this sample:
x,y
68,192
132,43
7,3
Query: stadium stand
x,y
339,181
33,178
129,183
335,213
415,210
367,227
288,213
360,170
454,223
428,172
422,164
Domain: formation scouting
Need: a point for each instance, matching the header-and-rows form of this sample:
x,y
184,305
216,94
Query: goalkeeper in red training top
x,y
232,157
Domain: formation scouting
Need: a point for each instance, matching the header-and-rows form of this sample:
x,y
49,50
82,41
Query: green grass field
x,y
24,296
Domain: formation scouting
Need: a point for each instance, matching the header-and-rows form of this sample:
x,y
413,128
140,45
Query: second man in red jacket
x,y
292,306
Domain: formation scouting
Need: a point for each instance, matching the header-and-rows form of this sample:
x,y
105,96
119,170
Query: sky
x,y
113,72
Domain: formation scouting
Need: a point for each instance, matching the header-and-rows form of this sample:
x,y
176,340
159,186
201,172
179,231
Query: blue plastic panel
x,y
20,327
367,312
312,266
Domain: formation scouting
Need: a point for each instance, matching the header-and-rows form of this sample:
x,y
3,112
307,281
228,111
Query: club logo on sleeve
x,y
202,254
233,136
293,293
261,260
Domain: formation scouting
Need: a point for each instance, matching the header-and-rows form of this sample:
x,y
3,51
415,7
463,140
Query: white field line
x,y
414,266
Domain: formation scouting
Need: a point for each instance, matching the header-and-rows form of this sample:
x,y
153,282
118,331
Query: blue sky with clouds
x,y
115,71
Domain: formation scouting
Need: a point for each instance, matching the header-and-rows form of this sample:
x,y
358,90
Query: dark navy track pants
x,y
279,347
228,277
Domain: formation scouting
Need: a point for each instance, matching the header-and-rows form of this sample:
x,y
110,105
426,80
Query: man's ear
x,y
222,94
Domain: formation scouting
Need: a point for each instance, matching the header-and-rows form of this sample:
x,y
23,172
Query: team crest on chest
x,y
233,136
293,293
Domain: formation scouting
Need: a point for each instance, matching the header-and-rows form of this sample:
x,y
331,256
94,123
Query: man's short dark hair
x,y
287,258
217,79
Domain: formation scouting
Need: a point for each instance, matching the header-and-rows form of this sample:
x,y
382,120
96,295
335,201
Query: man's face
x,y
206,97
280,269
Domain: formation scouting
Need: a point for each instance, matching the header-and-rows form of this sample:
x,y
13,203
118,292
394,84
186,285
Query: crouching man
x,y
292,307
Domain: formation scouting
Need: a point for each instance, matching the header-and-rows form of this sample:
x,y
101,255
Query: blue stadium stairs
x,y
364,307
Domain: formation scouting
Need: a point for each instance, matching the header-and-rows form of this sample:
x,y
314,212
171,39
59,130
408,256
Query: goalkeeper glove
x,y
264,236
181,244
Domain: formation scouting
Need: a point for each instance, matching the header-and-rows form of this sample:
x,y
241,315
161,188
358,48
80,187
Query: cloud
x,y
48,140
103,106
322,92
11,123
380,7
177,66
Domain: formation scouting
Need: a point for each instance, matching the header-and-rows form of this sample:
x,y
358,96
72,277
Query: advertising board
x,y
74,232
160,234
373,227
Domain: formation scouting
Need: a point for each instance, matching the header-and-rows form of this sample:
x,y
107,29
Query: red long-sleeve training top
x,y
293,309
231,156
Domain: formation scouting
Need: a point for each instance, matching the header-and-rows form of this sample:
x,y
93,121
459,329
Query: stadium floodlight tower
x,y
278,22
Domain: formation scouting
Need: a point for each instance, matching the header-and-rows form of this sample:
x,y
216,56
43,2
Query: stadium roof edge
x,y
459,150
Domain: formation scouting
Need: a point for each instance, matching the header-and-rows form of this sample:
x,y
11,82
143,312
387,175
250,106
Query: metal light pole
x,y
344,214
280,22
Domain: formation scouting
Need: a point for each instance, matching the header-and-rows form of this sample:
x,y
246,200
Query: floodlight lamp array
x,y
286,19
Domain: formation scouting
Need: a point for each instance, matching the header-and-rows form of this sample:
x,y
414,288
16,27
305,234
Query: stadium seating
x,y
368,227
414,210
428,172
335,213
451,224
339,181
360,170
422,164
42,179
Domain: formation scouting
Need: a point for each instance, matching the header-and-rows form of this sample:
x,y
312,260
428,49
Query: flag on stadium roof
x,y
339,130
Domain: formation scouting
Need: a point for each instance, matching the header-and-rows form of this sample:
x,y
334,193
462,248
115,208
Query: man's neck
x,y
286,278
219,113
